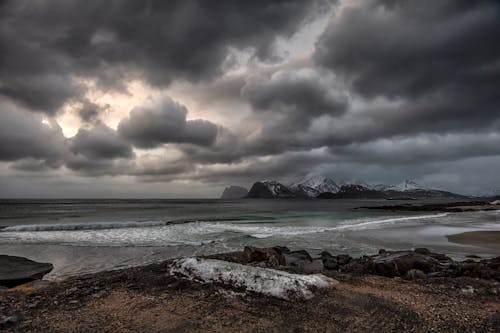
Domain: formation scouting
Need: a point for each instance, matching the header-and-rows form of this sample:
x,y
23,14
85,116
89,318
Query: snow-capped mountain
x,y
269,189
405,186
312,186
354,181
324,187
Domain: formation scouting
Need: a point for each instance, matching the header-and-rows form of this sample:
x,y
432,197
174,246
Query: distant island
x,y
326,188
234,192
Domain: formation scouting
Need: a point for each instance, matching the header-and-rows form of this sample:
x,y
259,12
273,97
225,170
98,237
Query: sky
x,y
180,98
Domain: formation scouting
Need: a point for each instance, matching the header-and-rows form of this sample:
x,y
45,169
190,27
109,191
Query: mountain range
x,y
326,188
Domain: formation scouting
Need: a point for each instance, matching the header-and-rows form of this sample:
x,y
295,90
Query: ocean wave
x,y
284,231
374,223
84,226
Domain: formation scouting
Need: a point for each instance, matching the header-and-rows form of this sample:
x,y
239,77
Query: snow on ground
x,y
265,281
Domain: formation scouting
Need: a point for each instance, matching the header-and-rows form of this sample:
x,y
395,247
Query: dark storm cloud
x,y
98,167
408,48
44,44
298,95
90,112
100,142
165,122
440,58
421,148
24,136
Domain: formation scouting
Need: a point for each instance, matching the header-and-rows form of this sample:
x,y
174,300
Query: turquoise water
x,y
82,236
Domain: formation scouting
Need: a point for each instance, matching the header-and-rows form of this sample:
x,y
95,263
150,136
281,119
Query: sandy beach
x,y
489,239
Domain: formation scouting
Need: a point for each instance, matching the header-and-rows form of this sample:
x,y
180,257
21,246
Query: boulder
x,y
330,263
19,270
343,259
273,255
400,262
300,259
422,250
415,274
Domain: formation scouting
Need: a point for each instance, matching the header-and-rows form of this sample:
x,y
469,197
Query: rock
x,y
400,262
300,259
300,255
343,259
19,270
422,250
325,254
468,290
330,263
415,274
273,255
9,321
312,267
382,251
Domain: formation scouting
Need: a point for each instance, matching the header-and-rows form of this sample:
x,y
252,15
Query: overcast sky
x,y
181,98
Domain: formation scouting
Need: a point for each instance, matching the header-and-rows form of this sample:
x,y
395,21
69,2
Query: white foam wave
x,y
83,226
271,231
160,233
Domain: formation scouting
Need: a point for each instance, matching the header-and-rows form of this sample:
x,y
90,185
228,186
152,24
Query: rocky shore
x,y
403,291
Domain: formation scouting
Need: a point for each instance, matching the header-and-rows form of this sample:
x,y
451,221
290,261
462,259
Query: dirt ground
x,y
149,299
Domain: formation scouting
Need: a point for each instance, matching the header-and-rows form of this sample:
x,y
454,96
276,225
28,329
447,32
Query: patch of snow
x,y
264,281
407,185
275,187
315,185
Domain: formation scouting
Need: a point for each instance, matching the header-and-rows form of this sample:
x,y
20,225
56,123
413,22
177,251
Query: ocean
x,y
85,236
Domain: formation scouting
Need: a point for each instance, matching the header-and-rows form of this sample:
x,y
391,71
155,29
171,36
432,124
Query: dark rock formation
x,y
353,192
413,265
18,270
273,255
234,192
269,190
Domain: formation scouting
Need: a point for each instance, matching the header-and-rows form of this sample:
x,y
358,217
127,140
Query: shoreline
x,y
156,298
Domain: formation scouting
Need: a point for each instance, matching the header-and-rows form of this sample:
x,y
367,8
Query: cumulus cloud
x,y
100,142
165,122
27,136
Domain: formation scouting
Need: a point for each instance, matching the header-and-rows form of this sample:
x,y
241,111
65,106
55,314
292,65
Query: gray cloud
x,y
100,142
24,136
298,95
165,122
441,59
44,44
90,112
394,89
402,48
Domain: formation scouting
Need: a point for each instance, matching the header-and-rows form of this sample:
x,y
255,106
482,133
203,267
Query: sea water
x,y
84,236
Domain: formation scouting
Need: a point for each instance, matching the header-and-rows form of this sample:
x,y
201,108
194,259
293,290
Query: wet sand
x,y
487,239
